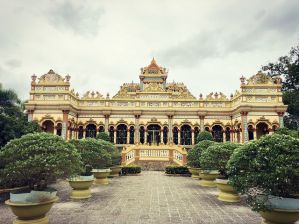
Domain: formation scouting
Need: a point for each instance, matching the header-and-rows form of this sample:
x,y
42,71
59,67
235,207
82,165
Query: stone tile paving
x,y
150,198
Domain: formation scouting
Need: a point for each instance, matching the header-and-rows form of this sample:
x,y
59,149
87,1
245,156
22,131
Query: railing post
x,y
137,154
184,159
170,155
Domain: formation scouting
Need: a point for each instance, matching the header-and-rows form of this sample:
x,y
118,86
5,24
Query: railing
x,y
171,153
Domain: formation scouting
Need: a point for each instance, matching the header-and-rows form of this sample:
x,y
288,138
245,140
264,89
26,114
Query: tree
x,y
287,67
104,136
13,121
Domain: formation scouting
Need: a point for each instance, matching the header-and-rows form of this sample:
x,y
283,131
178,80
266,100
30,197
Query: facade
x,y
154,111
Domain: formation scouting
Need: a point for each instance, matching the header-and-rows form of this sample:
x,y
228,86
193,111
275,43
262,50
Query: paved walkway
x,y
151,197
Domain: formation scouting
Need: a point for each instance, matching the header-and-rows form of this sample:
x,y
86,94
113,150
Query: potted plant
x,y
37,160
194,154
216,158
266,171
116,161
194,157
95,153
81,184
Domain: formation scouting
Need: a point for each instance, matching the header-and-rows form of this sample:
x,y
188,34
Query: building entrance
x,y
154,134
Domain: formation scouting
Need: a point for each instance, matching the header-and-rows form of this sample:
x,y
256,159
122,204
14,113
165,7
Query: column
x,y
145,136
162,136
280,115
64,131
202,126
107,123
30,115
231,135
254,134
114,140
128,136
84,132
170,134
244,126
223,136
271,131
136,134
179,137
193,138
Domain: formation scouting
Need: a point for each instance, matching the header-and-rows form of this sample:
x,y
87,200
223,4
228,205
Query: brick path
x,y
151,197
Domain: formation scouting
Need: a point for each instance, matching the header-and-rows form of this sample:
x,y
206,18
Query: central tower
x,y
153,75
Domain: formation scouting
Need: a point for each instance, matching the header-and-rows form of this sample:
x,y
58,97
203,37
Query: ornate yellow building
x,y
155,112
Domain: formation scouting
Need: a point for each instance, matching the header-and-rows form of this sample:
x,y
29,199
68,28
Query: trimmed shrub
x,y
96,153
103,136
194,154
204,135
177,170
37,159
216,157
268,166
131,169
286,131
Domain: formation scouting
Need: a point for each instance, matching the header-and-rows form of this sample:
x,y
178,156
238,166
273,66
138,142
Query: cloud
x,y
82,19
13,63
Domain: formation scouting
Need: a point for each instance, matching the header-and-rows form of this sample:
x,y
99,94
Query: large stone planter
x,y
101,176
31,213
115,170
280,216
208,178
227,192
80,188
194,172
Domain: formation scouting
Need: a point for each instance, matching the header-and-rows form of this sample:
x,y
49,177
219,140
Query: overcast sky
x,y
207,45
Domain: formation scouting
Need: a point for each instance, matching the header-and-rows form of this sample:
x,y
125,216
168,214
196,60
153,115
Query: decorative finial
x,y
107,97
200,96
67,77
231,95
33,77
242,79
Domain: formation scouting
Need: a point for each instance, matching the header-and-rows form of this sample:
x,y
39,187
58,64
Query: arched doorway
x,y
196,132
121,134
59,129
48,126
207,129
141,134
131,130
186,135
153,134
101,129
261,129
217,133
176,135
227,134
80,132
111,134
165,135
250,132
91,131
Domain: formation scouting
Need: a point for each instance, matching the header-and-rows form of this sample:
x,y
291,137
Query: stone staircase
x,y
153,165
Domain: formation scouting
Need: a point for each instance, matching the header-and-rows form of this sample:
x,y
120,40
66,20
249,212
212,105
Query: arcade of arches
x,y
153,111
155,134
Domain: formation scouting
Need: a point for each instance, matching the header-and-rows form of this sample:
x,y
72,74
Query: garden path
x,y
151,197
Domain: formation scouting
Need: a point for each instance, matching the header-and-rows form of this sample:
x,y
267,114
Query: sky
x,y
101,44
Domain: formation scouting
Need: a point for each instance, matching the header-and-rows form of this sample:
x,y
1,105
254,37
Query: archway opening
x,y
165,135
186,135
131,130
196,132
176,135
101,129
80,132
250,132
217,133
141,134
48,126
227,134
59,129
111,134
121,134
91,131
261,129
153,134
